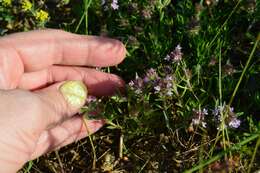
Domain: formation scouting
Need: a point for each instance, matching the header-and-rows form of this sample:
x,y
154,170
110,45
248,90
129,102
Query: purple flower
x,y
131,83
152,82
114,4
199,117
231,119
147,13
175,56
178,48
151,75
139,82
137,85
216,113
234,123
168,70
167,58
168,80
157,88
91,99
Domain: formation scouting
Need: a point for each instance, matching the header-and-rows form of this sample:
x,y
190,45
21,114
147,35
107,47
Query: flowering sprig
x,y
137,85
153,83
220,114
226,114
199,117
93,109
164,85
175,56
114,4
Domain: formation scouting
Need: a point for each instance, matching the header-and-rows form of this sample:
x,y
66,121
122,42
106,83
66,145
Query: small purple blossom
x,y
216,113
167,58
152,82
131,83
168,80
151,75
91,99
137,85
168,70
178,48
164,86
147,13
231,119
157,89
234,123
139,82
114,4
199,117
169,85
175,56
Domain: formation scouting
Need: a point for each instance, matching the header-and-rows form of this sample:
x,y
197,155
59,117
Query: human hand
x,y
35,116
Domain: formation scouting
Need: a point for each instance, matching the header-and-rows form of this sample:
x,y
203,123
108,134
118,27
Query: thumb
x,y
64,99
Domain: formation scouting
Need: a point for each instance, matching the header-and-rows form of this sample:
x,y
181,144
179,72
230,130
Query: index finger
x,y
43,48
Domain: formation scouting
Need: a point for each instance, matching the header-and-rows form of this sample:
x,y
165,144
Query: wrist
x,y
11,158
12,150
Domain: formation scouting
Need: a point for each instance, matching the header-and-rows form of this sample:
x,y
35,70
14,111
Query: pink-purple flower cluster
x,y
154,83
91,99
175,56
114,4
199,117
163,86
137,85
231,119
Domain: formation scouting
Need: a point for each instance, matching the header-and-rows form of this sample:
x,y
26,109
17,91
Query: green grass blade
x,y
221,154
254,154
244,70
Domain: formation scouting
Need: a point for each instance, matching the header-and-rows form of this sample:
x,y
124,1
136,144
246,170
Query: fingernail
x,y
74,92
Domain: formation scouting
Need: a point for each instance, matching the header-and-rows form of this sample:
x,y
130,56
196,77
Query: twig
x,y
60,162
121,143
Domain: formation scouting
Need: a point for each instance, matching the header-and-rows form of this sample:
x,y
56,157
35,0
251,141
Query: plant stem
x,y
86,6
254,154
80,21
222,26
59,160
244,70
220,77
221,154
92,144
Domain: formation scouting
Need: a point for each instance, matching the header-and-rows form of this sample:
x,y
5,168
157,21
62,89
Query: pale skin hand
x,y
34,116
